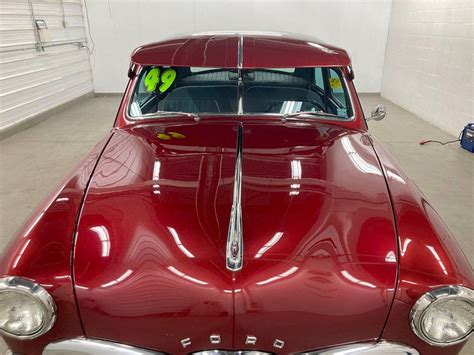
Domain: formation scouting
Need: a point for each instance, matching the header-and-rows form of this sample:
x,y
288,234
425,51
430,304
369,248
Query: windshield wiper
x,y
311,113
173,113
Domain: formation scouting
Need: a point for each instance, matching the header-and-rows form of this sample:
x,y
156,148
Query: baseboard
x,y
43,116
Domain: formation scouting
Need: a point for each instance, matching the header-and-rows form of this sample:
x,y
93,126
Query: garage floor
x,y
34,160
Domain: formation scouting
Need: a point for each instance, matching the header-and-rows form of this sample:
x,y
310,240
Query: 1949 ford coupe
x,y
239,205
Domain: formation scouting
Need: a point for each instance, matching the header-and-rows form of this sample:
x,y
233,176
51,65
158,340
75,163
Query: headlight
x,y
26,309
444,316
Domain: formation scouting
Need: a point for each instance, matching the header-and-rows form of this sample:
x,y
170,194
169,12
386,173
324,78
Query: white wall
x,y
118,26
428,62
34,81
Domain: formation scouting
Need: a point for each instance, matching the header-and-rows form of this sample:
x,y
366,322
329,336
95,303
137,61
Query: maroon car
x,y
239,205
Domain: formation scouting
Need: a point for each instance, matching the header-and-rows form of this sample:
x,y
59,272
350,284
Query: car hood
x,y
319,245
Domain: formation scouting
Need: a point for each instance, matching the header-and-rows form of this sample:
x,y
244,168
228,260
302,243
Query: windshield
x,y
200,90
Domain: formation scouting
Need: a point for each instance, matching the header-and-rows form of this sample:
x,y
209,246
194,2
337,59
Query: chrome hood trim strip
x,y
234,247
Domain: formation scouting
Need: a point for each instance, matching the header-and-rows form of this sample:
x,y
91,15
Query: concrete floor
x,y
34,160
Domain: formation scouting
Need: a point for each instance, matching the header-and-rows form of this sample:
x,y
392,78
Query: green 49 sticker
x,y
153,78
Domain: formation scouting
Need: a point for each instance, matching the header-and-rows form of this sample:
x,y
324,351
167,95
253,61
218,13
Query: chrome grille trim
x,y
225,352
85,346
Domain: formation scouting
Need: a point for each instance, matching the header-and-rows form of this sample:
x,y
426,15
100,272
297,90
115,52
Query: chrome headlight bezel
x,y
40,295
430,298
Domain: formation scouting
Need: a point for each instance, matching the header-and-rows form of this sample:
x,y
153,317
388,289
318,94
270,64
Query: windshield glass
x,y
216,91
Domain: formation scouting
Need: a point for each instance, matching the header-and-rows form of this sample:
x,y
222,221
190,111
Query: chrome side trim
x,y
81,346
368,349
429,298
234,247
34,290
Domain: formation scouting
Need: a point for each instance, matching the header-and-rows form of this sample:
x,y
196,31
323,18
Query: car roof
x,y
241,50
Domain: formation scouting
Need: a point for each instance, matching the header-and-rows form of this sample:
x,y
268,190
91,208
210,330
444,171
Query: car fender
x,y
429,256
41,250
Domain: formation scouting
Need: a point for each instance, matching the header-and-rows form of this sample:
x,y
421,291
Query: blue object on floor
x,y
467,137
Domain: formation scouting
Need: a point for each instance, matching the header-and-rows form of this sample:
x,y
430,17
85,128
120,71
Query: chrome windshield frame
x,y
127,103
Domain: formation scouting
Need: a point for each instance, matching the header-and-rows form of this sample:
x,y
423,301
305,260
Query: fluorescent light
x,y
103,235
184,276
295,169
287,273
180,245
269,244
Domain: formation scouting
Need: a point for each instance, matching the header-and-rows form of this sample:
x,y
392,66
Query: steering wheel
x,y
301,99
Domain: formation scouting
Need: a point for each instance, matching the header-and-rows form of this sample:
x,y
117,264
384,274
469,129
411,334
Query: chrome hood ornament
x,y
234,248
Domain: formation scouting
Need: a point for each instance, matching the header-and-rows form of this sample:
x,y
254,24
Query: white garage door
x,y
33,81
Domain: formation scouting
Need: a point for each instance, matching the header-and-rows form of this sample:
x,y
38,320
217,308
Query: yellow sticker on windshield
x,y
177,135
170,135
152,79
163,136
335,83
